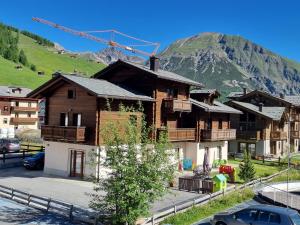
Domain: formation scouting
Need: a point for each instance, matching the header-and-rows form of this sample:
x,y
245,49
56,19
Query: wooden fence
x,y
158,217
72,212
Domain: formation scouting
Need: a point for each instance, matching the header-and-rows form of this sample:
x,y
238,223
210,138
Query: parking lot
x,y
72,191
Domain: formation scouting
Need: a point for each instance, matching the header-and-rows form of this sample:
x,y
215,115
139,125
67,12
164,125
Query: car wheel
x,y
221,223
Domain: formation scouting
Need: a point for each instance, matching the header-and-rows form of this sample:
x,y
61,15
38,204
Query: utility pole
x,y
289,155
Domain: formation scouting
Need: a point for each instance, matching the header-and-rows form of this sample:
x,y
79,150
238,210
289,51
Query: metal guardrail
x,y
158,217
70,211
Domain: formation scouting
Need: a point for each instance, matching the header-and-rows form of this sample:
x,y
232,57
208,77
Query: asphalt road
x,y
14,213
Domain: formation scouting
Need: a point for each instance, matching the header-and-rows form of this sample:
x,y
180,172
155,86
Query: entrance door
x,y
77,163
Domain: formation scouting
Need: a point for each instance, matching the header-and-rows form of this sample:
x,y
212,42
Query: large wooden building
x,y
263,128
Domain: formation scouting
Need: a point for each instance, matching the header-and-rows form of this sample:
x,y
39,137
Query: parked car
x,y
9,145
35,162
258,215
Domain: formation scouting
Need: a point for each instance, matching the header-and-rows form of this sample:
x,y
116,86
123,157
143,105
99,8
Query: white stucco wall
x,y
58,156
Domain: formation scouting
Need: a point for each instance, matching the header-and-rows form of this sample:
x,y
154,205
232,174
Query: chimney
x,y
154,63
244,90
281,95
55,74
260,106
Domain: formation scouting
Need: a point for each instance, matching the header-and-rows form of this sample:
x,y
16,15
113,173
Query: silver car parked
x,y
258,215
9,145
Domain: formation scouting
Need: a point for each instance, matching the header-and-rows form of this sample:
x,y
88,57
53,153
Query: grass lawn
x,y
262,169
293,176
201,212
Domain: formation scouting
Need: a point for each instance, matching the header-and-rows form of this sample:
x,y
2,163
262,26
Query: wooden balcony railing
x,y
295,117
218,134
24,109
19,120
173,105
248,134
180,134
295,134
278,135
68,134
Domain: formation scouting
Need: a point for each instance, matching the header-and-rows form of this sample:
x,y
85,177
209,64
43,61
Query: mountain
x,y
110,55
46,58
228,63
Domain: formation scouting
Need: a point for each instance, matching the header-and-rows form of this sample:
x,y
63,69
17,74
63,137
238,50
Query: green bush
x,y
197,213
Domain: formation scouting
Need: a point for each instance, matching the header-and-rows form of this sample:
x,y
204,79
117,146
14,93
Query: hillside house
x,y
16,111
264,126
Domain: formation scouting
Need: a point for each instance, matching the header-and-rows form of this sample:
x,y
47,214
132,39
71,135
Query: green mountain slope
x,y
230,62
45,59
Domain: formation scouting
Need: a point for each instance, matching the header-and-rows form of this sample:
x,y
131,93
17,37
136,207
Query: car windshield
x,y
295,218
14,141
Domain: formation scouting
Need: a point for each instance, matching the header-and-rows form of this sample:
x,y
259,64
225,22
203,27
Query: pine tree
x,y
247,171
22,58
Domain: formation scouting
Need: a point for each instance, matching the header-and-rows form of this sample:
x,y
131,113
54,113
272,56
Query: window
x,y
5,108
63,119
17,104
246,215
29,104
71,94
5,121
263,216
251,148
242,147
208,124
16,115
219,156
172,93
29,115
76,119
220,124
274,218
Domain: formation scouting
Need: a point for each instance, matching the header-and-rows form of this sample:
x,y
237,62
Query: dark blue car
x,y
35,162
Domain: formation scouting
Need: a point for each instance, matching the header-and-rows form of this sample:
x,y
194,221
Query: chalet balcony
x,y
295,117
65,134
278,135
295,134
24,109
248,135
180,134
23,120
178,105
218,135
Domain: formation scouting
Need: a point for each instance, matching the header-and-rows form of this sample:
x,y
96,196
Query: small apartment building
x,y
261,130
16,111
76,110
292,112
211,121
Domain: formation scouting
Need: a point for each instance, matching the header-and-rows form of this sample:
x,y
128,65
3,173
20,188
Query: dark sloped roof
x,y
103,88
217,107
293,99
235,94
274,113
162,74
205,91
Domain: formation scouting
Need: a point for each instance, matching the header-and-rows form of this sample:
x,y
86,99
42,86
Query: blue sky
x,y
272,24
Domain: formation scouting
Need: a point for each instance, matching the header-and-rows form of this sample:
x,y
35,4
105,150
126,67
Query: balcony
x,y
278,135
23,120
67,134
218,135
295,117
295,134
173,105
248,135
180,134
24,109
